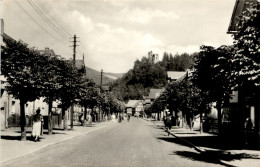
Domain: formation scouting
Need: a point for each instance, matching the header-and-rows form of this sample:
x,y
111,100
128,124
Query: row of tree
x,y
31,75
218,71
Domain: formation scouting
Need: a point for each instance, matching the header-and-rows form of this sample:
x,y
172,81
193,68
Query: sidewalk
x,y
210,148
12,147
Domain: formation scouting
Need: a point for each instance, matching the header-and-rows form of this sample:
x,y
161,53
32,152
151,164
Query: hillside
x,y
107,77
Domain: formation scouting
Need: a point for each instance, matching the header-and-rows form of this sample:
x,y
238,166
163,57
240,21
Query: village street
x,y
134,143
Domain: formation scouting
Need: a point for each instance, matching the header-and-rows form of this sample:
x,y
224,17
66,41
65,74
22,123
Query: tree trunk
x,y
219,116
85,115
65,123
71,116
22,120
50,126
191,122
201,123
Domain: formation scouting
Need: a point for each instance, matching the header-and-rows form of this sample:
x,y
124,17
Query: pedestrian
x,y
119,118
37,124
128,117
168,122
164,121
249,124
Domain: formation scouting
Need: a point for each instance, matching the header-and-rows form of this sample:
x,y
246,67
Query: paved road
x,y
137,143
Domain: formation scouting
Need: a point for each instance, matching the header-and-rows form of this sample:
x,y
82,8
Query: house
x,y
148,100
10,107
80,65
245,103
153,94
175,75
240,6
105,88
134,107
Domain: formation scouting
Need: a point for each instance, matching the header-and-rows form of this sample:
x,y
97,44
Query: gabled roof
x,y
154,93
133,103
7,36
174,75
79,64
240,6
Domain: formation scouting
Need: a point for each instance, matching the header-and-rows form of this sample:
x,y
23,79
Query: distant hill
x,y
107,77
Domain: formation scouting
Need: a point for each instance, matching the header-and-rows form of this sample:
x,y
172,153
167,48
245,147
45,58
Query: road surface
x,y
137,143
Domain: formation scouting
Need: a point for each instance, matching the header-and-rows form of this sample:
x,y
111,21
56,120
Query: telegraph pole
x,y
101,77
74,47
74,61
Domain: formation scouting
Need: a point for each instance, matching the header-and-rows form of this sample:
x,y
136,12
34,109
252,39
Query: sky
x,y
113,34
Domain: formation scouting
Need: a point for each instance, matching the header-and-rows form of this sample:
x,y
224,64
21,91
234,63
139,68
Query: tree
x,y
247,46
50,76
89,95
213,75
20,67
69,81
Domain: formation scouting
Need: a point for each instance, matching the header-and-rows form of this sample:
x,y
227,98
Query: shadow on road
x,y
214,142
214,157
201,157
210,156
6,137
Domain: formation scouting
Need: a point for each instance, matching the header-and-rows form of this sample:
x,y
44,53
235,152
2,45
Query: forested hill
x,y
106,78
145,74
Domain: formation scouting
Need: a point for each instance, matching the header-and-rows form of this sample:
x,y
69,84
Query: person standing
x,y
37,125
128,117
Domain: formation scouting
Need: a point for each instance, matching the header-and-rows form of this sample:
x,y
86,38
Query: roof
x,y
47,51
132,103
79,64
240,6
105,88
7,36
154,93
174,75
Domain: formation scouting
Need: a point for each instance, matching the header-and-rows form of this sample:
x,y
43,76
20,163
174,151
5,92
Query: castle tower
x,y
154,58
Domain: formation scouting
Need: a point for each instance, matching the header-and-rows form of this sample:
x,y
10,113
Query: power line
x,y
53,18
46,31
46,6
20,18
60,20
42,15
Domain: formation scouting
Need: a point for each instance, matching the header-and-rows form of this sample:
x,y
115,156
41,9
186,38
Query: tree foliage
x,y
145,75
246,60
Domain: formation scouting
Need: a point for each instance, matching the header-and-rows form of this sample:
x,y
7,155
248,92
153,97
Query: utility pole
x,y
74,61
101,77
74,47
99,111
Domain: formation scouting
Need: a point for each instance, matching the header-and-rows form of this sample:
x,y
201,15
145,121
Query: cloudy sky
x,y
114,33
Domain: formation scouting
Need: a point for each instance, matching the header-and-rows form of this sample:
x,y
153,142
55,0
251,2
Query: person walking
x,y
128,117
37,124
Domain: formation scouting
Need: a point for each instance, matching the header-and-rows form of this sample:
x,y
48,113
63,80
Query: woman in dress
x,y
37,124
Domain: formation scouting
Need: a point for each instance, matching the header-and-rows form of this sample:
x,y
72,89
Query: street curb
x,y
48,145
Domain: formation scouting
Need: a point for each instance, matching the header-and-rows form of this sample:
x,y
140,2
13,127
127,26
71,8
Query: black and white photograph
x,y
130,83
